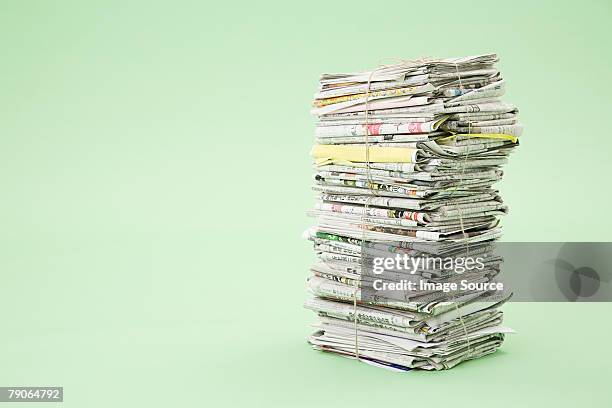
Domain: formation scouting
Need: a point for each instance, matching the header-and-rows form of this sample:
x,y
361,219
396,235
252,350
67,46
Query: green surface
x,y
155,174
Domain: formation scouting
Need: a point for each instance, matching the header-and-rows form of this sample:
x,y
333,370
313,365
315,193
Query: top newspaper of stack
x,y
410,152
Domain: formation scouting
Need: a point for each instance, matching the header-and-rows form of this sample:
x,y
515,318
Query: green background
x,y
154,173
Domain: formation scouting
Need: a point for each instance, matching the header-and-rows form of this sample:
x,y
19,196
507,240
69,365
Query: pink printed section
x,y
415,127
374,129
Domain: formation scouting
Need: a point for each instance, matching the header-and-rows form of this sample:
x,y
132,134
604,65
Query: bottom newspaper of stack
x,y
433,328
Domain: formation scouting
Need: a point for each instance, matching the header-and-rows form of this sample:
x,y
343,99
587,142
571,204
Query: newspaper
x,y
406,161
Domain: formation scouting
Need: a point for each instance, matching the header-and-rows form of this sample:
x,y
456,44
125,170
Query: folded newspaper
x,y
406,158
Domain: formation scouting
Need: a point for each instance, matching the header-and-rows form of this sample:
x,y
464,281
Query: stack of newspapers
x,y
406,159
